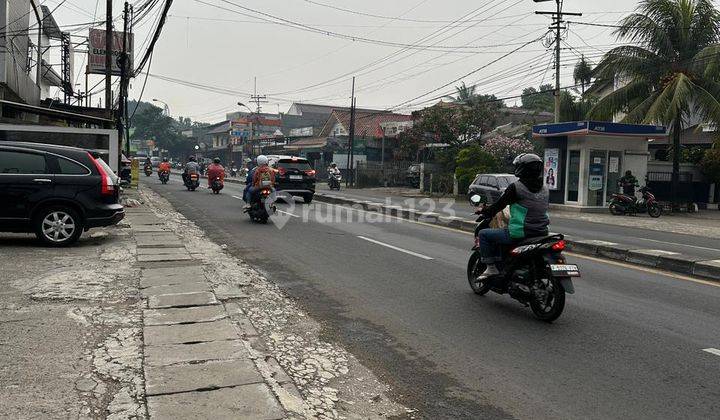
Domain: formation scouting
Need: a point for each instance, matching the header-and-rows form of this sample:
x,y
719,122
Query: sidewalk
x,y
150,319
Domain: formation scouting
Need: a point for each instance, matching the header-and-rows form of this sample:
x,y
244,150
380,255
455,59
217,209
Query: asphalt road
x,y
629,345
700,246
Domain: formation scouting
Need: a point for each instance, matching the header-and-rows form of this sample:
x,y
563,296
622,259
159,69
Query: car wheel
x,y
308,198
58,226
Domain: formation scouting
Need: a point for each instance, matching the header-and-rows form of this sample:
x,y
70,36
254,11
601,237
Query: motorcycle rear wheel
x,y
474,269
550,308
616,210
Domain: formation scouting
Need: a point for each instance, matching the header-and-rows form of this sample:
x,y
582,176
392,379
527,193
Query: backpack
x,y
264,173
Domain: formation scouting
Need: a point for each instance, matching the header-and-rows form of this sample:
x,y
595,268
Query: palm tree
x,y
464,94
583,73
671,74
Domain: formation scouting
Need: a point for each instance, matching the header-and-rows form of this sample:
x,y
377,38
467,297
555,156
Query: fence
x,y
375,174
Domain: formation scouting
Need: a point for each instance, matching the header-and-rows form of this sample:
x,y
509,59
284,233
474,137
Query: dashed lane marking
x,y
415,254
716,352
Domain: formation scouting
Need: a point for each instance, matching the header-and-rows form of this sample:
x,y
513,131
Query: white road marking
x,y
716,352
415,254
235,196
289,214
675,243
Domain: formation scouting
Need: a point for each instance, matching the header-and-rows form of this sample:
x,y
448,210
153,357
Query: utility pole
x,y
557,17
258,99
351,140
108,54
123,117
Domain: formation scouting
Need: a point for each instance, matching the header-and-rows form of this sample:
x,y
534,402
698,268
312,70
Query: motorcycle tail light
x,y
265,192
477,241
558,246
515,251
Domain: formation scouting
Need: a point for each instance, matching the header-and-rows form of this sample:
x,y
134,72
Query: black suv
x,y
294,176
57,192
491,186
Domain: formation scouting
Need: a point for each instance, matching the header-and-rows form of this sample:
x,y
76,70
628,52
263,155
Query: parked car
x,y
56,192
491,186
155,161
294,176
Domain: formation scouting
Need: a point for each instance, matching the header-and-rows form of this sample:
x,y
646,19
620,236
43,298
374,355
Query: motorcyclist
x,y
215,170
164,166
528,199
629,183
191,167
254,178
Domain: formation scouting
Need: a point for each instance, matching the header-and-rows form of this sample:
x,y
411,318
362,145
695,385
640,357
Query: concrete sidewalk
x,y
198,361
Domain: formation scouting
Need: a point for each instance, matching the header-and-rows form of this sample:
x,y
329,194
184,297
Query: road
x,y
629,345
701,246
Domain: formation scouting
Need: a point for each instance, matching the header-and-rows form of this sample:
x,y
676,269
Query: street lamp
x,y
166,108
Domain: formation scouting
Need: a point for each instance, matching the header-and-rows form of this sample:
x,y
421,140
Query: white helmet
x,y
262,160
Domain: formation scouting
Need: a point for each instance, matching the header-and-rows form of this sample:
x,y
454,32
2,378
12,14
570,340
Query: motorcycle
x,y
334,181
217,185
192,181
148,170
621,204
233,172
164,177
533,272
262,206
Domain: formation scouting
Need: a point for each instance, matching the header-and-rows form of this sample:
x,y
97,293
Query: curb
x,y
651,258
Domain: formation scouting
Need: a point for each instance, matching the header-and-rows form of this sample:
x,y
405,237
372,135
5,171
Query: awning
x,y
585,128
311,143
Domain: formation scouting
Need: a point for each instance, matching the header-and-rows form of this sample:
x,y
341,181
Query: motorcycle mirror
x,y
476,200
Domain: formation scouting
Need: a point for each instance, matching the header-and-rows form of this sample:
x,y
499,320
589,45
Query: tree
x,y
149,123
671,74
533,100
463,94
710,163
583,74
471,161
505,149
573,108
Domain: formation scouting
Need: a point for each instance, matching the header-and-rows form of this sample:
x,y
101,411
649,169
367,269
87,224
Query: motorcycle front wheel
x,y
548,299
654,210
474,269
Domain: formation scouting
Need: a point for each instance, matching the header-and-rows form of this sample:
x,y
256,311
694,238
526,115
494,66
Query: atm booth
x,y
585,159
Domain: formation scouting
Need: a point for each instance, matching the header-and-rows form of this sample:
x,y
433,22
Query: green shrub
x,y
471,161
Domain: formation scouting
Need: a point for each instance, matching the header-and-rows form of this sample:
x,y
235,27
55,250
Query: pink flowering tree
x,y
504,149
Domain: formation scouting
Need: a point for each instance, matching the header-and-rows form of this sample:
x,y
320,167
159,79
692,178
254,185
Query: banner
x,y
96,51
552,167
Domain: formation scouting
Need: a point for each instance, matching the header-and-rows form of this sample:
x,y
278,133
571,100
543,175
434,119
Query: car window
x,y
484,180
12,162
505,181
476,181
301,165
68,167
492,181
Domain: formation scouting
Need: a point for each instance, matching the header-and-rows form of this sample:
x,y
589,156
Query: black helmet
x,y
528,166
165,159
191,159
216,160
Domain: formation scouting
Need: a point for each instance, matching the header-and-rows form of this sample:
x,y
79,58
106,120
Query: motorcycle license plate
x,y
565,270
295,176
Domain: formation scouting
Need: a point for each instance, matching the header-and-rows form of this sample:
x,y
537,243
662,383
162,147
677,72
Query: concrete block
x,y
374,207
150,228
646,257
172,316
247,402
197,270
181,300
189,287
229,291
392,210
164,250
589,247
428,217
613,252
708,269
468,225
451,221
189,333
176,256
678,263
171,354
200,376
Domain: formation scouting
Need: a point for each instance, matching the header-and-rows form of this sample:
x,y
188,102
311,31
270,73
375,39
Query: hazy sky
x,y
228,48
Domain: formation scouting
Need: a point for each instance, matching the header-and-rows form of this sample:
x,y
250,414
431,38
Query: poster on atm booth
x,y
552,165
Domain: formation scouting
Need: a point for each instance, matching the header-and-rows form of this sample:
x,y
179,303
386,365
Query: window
x,y
573,186
484,180
301,165
505,181
22,163
68,167
477,181
492,181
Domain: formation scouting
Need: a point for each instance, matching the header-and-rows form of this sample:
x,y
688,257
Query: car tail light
x,y
107,186
558,246
310,172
